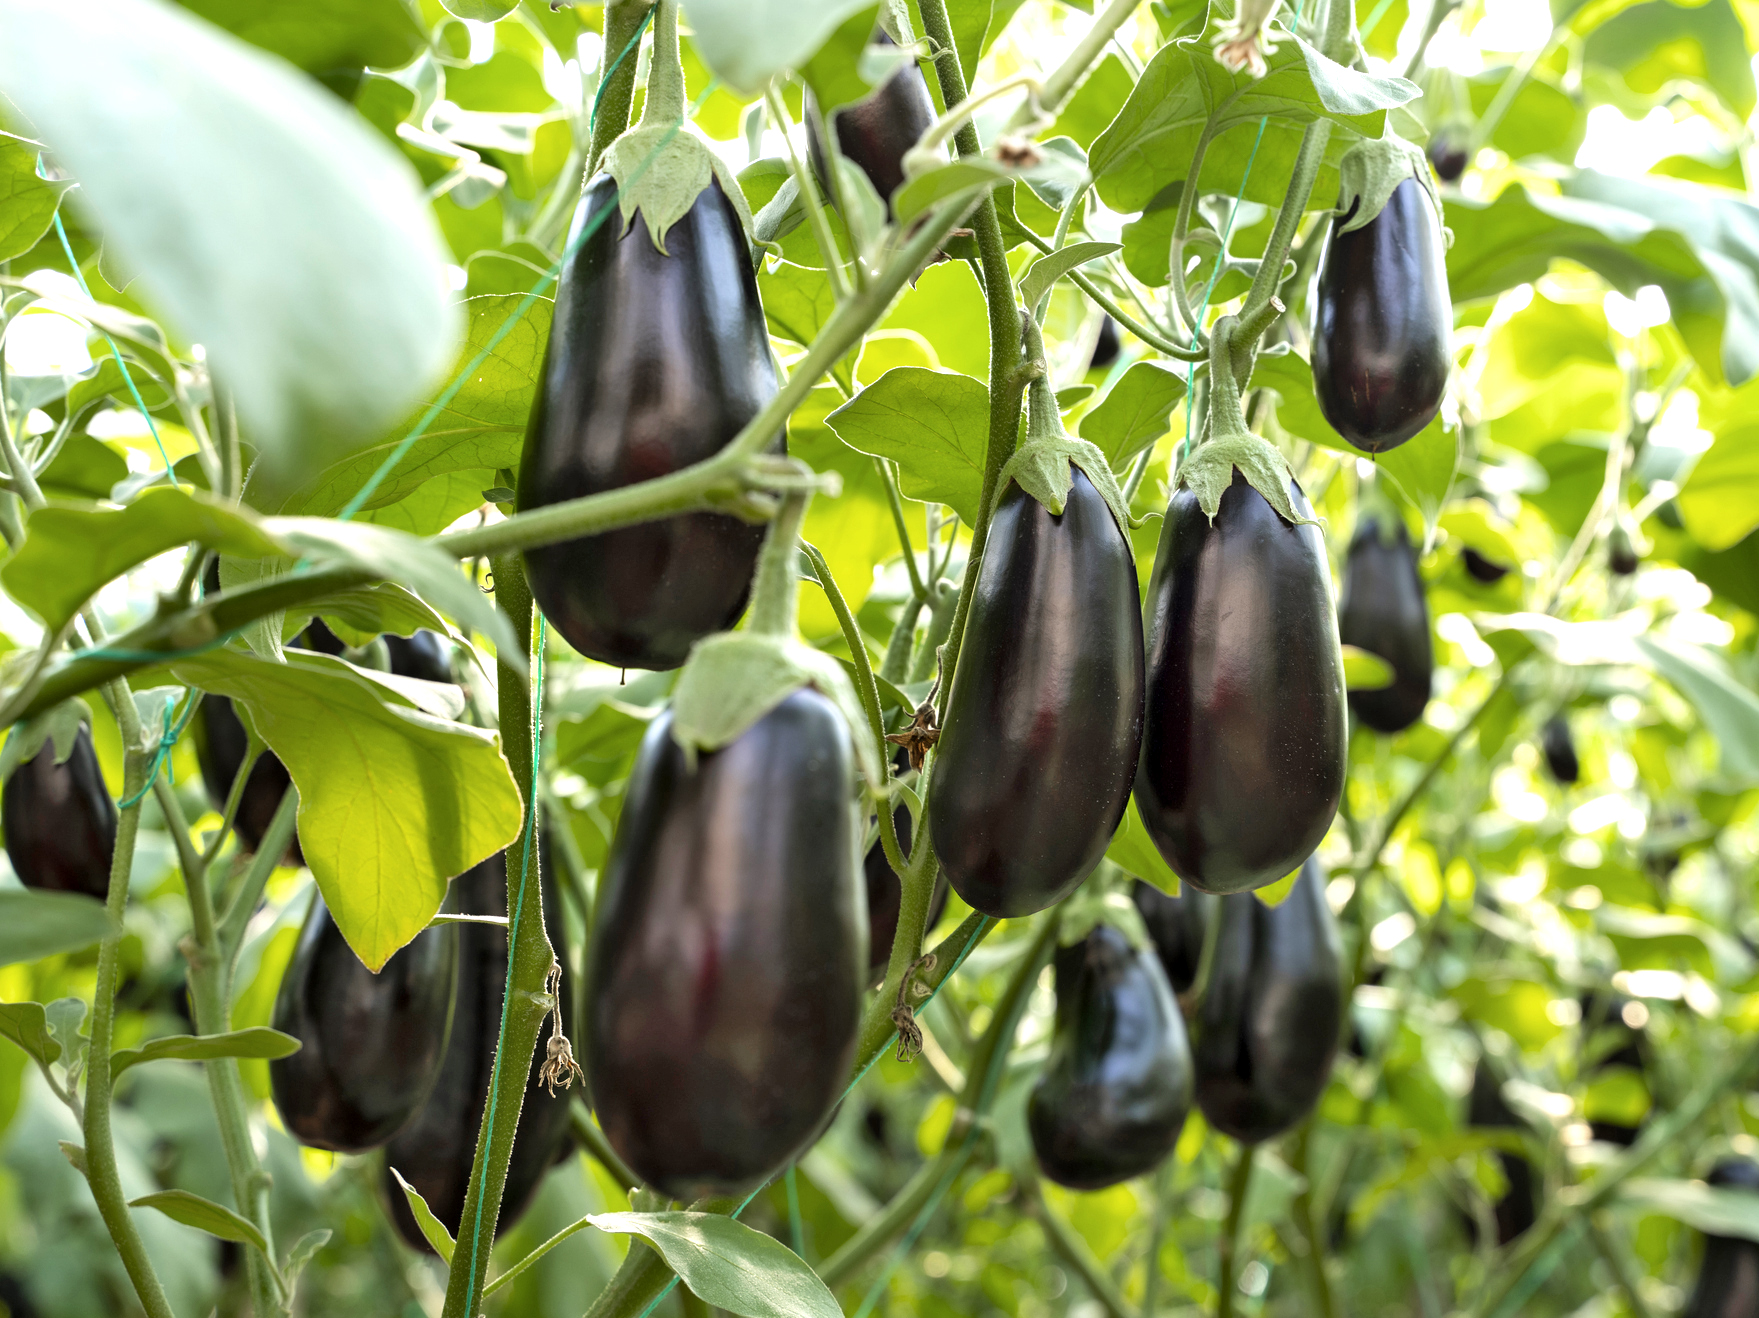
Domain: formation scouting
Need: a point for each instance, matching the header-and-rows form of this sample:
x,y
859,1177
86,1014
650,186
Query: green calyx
x,y
662,165
1370,171
1231,447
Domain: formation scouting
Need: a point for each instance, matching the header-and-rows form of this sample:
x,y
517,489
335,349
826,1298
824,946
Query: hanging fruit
x,y
1447,152
1266,1029
371,1045
1384,611
875,132
658,356
60,821
729,951
1728,1278
1176,926
1038,747
1559,748
1481,568
1117,1088
1107,347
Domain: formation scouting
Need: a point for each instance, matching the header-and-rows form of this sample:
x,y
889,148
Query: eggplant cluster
x,y
60,821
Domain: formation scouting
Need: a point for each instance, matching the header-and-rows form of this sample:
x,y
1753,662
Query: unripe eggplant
x,y
1038,748
656,360
1384,323
1518,1208
1728,1279
1243,749
1384,612
729,952
875,132
1481,568
1266,1030
434,1152
1560,750
1176,926
1447,152
60,821
1115,1093
371,1044
1107,347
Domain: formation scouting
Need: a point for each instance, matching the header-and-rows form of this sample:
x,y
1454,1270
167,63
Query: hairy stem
x,y
616,93
775,595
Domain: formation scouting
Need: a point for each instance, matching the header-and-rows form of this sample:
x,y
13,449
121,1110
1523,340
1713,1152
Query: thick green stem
x,y
1225,416
880,1229
617,89
1325,1302
529,966
775,593
636,1285
664,105
1308,161
1181,228
1068,75
1228,1246
876,1017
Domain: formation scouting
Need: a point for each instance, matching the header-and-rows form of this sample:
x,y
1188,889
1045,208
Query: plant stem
x,y
1225,416
876,1019
1619,1261
589,1137
775,594
529,960
896,662
1228,1246
664,103
617,90
1067,76
896,502
879,1230
1325,1301
941,617
1163,1194
1192,319
1075,1252
810,200
1308,161
276,839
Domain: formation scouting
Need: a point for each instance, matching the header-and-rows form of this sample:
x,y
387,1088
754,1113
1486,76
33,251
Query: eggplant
x,y
1266,1030
1381,335
656,360
1486,1109
1244,747
1621,554
1559,748
729,953
1038,747
1481,568
371,1044
1384,612
434,1151
875,132
1107,347
1728,1278
1176,926
425,655
1447,152
1115,1093
60,821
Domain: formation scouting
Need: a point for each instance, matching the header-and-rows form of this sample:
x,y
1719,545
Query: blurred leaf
x,y
1364,671
747,42
1709,1208
259,1042
27,203
1134,852
1654,46
503,83
326,38
1421,470
729,1265
1541,120
1720,499
34,924
933,424
204,1215
1134,413
84,469
25,1025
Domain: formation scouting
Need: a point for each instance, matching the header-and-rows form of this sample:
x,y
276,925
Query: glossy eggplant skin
x,y
1243,748
1115,1093
424,655
1038,748
1559,748
1481,568
371,1044
1385,612
1176,926
655,362
1107,347
1728,1279
729,952
60,821
875,132
1384,323
1266,1030
434,1151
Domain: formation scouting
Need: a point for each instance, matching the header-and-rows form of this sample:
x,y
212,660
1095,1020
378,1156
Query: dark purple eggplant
x,y
1243,750
426,655
1115,1093
60,821
1107,347
1728,1279
435,1150
1621,554
1447,152
729,952
1559,748
372,1044
875,132
1518,1208
1033,768
655,362
1266,1030
1176,926
1481,568
1385,612
1384,324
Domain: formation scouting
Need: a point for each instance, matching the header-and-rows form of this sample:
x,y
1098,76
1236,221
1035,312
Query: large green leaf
x,y
1135,412
1720,499
27,203
34,924
747,42
296,245
729,1265
933,424
327,38
1656,46
394,798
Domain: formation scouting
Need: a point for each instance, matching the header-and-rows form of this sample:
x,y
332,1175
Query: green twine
x,y
168,738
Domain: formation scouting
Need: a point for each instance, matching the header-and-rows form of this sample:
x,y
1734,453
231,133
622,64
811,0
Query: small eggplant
x,y
1033,768
1481,568
1447,152
729,953
1381,337
1176,926
1612,1044
1243,749
1107,347
372,1044
1559,748
435,1150
1115,1093
1621,554
875,132
1384,612
60,821
656,360
1267,1023
1728,1279
425,655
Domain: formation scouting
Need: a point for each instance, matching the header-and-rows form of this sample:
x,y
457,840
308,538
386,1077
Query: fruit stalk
x,y
1307,165
617,93
775,592
1307,1220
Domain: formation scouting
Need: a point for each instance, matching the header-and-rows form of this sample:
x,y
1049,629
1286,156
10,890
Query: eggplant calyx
x,y
1041,467
1369,173
1210,470
59,724
661,169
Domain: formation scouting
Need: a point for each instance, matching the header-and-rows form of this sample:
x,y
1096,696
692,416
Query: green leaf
x,y
58,725
259,1041
729,1265
25,1024
34,924
1365,671
27,203
304,1249
326,38
933,424
84,469
1133,851
1045,271
933,186
747,42
1422,468
1134,413
835,72
432,1229
297,246
360,614
65,1016
1275,894
203,1215
1720,499
394,798
1713,1210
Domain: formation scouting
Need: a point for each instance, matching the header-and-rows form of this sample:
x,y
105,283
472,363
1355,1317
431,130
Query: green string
x,y
592,120
168,738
